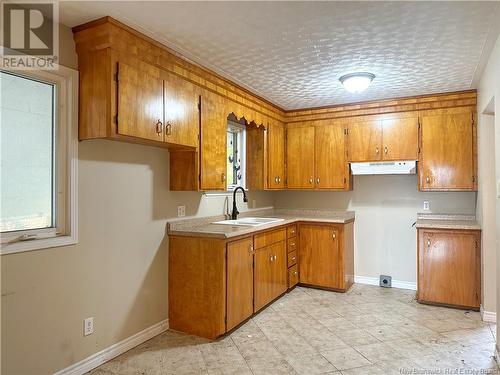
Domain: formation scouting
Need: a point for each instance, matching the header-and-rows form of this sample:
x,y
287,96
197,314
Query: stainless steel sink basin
x,y
250,221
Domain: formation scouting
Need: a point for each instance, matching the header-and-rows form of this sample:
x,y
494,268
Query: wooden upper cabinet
x,y
400,138
300,157
213,143
182,117
239,282
447,152
364,140
276,155
449,267
140,102
331,166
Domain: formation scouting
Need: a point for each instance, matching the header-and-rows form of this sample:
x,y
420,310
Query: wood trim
x,y
101,33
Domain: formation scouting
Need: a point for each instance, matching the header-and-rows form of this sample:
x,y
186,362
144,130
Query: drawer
x,y
268,238
291,231
292,244
292,258
293,276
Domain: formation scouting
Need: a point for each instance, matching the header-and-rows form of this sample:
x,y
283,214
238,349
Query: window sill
x,y
38,244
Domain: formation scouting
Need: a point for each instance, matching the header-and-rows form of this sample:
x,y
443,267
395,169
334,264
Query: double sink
x,y
250,221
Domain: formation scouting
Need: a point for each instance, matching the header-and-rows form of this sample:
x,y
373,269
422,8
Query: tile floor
x,y
369,330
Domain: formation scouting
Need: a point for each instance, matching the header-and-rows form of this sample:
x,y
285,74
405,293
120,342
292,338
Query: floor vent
x,y
385,281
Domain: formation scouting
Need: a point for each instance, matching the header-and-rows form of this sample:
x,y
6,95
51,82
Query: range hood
x,y
385,167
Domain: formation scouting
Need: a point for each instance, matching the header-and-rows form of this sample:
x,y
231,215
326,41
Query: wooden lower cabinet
x,y
239,282
270,274
449,267
216,284
326,255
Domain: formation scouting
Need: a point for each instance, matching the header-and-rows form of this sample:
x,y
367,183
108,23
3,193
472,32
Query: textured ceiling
x,y
292,53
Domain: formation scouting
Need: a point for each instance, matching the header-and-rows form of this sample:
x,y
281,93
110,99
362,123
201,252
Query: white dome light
x,y
357,82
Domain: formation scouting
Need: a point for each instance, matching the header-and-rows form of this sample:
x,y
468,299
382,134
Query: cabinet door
x,y
140,102
319,258
239,282
270,274
449,268
400,138
182,118
447,152
330,161
276,155
364,140
213,142
300,157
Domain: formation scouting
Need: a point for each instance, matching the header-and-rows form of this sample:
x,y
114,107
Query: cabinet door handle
x,y
292,244
428,179
334,235
428,244
276,179
377,151
317,180
295,272
293,258
223,177
250,249
159,127
386,150
271,258
311,180
279,179
168,128
275,257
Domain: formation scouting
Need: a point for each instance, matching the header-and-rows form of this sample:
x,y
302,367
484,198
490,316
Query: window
x,y
37,159
236,154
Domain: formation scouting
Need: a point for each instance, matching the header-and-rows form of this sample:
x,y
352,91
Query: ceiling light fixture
x,y
357,82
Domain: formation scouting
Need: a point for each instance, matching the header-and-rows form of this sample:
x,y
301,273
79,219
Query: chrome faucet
x,y
235,213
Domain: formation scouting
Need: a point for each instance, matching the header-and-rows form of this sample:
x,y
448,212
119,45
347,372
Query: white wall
x,y
386,207
489,169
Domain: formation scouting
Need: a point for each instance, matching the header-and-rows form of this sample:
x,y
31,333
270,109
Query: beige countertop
x,y
432,221
203,227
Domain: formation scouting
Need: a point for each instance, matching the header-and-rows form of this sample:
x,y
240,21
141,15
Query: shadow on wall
x,y
130,165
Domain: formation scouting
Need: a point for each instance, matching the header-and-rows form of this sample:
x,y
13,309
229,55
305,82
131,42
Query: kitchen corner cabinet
x,y
276,155
382,138
326,255
449,267
205,167
315,156
448,155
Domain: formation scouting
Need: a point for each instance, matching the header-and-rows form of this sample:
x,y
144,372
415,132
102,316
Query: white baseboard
x,y
488,316
114,350
375,281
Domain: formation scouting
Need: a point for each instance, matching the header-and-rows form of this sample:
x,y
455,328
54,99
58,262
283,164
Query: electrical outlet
x,y
181,211
498,189
427,206
88,326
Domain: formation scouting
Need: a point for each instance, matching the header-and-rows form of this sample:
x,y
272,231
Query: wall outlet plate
x,y
88,326
498,189
181,211
427,206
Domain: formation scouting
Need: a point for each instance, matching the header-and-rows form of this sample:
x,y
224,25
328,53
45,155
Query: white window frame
x,y
66,203
241,139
